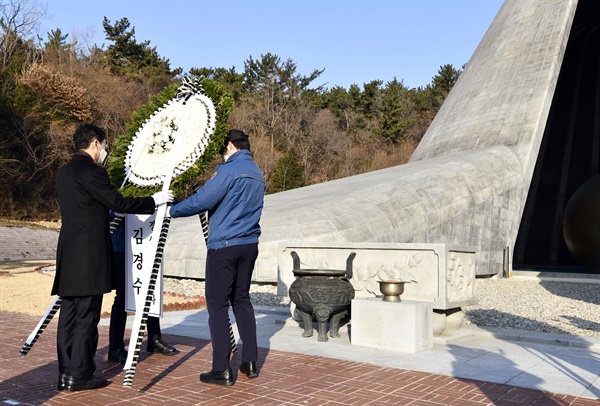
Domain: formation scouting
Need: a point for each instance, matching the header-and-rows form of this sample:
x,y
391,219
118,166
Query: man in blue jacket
x,y
233,198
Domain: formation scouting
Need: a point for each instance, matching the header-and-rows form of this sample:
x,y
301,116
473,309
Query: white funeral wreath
x,y
190,115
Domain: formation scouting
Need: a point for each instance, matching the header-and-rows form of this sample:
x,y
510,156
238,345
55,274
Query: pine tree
x,y
396,113
288,174
128,57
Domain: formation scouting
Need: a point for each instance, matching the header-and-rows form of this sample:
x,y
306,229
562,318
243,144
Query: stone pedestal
x,y
441,273
405,326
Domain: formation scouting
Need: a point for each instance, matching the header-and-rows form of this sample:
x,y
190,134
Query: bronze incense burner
x,y
323,294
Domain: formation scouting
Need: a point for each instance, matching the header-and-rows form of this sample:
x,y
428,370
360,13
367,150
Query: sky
x,y
355,41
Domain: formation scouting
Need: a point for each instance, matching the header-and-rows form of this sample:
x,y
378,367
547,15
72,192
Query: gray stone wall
x,y
22,243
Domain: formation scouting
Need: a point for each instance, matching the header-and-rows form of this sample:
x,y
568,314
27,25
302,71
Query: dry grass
x,y
29,293
51,225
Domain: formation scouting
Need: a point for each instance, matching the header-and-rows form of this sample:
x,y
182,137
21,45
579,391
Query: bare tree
x,y
19,22
264,155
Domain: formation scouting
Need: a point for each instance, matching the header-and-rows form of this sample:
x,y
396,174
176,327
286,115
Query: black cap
x,y
236,135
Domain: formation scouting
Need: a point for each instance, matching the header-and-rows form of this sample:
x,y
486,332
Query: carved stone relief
x,y
460,277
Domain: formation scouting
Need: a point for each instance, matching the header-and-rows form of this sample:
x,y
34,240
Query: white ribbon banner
x,y
140,251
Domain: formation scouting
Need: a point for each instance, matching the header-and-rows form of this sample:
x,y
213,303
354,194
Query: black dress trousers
x,y
77,336
228,277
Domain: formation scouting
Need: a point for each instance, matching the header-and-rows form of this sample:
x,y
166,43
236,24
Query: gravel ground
x,y
544,306
262,294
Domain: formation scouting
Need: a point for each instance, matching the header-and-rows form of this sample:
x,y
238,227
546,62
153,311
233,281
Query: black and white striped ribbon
x,y
39,329
162,239
189,87
204,224
116,222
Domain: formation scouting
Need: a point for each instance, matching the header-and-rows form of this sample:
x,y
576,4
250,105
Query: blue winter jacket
x,y
233,197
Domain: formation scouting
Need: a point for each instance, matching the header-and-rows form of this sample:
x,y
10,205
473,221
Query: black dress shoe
x,y
62,381
160,347
224,378
249,368
93,382
119,355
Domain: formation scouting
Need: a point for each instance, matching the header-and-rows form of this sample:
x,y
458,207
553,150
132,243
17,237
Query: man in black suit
x,y
84,256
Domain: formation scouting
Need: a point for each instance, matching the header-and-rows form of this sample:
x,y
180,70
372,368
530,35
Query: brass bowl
x,y
391,289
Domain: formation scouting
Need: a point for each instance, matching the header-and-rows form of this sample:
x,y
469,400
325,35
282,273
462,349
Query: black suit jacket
x,y
84,257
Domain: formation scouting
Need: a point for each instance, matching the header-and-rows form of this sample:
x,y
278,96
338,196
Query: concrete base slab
x,y
453,336
403,326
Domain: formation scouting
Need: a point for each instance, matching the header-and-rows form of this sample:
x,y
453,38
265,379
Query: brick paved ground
x,y
285,379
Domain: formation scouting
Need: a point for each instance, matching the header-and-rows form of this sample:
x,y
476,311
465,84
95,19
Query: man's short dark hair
x,y
238,138
85,134
241,143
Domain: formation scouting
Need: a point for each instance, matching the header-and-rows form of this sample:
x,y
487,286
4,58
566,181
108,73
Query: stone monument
x,y
470,178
